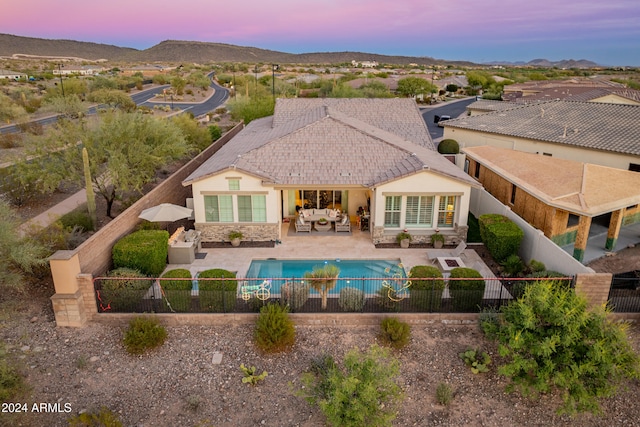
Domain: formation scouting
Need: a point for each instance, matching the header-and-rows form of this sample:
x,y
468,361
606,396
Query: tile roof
x,y
591,125
582,188
327,142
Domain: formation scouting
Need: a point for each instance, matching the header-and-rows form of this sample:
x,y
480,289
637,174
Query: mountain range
x,y
202,52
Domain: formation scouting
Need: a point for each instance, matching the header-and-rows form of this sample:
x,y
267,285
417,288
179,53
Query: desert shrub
x,y
144,250
124,292
249,375
501,236
103,418
177,292
217,296
295,294
77,218
362,392
11,382
274,331
448,146
394,333
466,295
215,132
476,359
444,394
536,266
551,341
426,295
512,266
144,333
351,299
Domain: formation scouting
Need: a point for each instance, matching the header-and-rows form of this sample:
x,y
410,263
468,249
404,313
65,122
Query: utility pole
x,y
274,67
60,74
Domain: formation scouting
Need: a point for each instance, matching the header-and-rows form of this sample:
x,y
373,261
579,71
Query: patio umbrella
x,y
166,212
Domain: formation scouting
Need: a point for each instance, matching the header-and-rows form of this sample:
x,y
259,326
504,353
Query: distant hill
x,y
191,51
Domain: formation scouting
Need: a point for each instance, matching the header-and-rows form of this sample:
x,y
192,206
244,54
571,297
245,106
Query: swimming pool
x,y
353,273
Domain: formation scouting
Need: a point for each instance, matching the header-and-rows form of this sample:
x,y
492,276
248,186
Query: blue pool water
x,y
353,273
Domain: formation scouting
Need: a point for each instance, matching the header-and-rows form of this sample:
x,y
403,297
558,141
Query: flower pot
x,y
404,243
438,244
235,242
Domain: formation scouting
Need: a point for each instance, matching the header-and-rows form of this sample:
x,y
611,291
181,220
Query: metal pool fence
x,y
303,295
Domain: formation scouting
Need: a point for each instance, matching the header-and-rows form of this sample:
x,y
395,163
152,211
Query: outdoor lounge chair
x,y
302,225
457,252
344,224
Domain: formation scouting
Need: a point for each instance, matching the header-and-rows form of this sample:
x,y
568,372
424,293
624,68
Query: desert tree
x,y
323,279
414,86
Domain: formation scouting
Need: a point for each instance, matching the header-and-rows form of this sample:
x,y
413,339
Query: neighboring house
x,y
574,85
85,70
592,132
332,153
611,95
12,75
390,82
560,197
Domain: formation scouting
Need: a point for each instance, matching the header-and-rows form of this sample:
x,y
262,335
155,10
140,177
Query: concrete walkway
x,y
49,216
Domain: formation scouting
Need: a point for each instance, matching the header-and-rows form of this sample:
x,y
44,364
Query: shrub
x,y
512,266
501,236
295,294
444,394
11,382
177,292
536,266
426,295
448,146
77,218
217,296
250,376
394,333
351,299
466,295
144,250
402,236
103,418
387,299
144,333
436,237
274,331
124,292
551,341
363,392
477,360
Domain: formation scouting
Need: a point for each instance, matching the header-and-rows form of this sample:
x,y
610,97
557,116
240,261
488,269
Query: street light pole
x,y
274,67
60,75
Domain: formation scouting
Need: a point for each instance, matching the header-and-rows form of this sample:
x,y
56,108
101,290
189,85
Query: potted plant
x,y
323,221
403,238
234,237
437,240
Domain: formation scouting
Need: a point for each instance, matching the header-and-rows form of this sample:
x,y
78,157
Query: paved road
x,y
451,108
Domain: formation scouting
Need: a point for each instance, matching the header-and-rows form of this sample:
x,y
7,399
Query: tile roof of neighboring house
x,y
333,142
592,125
582,188
569,93
491,105
390,82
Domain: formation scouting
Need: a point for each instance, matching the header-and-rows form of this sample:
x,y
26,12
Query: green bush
x,y
144,250
124,292
11,382
217,296
512,266
274,331
426,295
144,333
444,394
394,333
387,299
477,360
466,295
536,266
78,217
351,299
103,418
448,146
295,294
500,235
551,341
363,392
177,292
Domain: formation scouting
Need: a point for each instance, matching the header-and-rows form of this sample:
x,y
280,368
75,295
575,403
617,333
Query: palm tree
x,y
323,279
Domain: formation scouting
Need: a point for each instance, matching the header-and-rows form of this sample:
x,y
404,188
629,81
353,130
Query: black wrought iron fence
x,y
303,295
624,294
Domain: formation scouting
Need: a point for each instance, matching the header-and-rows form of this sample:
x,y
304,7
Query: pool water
x,y
360,274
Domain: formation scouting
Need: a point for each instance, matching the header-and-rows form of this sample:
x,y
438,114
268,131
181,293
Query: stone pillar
x,y
594,287
614,229
581,238
68,302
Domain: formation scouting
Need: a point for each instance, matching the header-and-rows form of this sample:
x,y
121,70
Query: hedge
x,y
144,250
466,295
500,235
177,293
426,295
217,296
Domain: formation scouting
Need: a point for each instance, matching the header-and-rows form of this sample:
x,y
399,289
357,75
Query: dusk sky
x,y
606,32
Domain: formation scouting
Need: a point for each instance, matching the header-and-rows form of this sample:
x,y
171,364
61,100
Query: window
x,y
634,167
446,211
218,208
234,184
392,211
513,194
252,208
476,173
419,211
573,220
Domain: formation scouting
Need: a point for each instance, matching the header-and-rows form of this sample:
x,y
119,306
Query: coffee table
x,y
322,227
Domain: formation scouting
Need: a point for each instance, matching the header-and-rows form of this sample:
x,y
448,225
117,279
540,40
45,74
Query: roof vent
x,y
294,174
345,173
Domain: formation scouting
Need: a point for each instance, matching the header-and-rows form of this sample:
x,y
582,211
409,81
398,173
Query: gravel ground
x,y
178,385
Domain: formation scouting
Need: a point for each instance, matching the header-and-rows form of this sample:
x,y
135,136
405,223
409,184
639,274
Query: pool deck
x,y
358,245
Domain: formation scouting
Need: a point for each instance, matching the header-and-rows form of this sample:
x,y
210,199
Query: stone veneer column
x,y
70,300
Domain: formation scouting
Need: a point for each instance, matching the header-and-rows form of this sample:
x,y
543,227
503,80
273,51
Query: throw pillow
x,y
301,220
333,213
345,220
